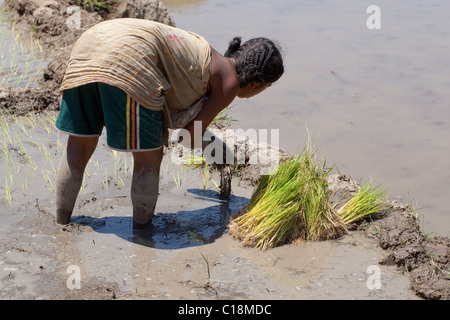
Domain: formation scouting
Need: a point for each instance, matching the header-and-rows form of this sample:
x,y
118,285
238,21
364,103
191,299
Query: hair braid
x,y
257,60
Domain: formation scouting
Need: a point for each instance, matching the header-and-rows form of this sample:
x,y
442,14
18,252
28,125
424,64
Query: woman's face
x,y
252,89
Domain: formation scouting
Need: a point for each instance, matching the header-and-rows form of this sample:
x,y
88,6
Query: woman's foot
x,y
63,216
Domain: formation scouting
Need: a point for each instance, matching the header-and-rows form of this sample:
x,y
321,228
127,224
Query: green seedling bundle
x,y
293,204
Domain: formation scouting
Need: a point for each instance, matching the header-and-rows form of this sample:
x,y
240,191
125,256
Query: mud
x,y
169,262
425,259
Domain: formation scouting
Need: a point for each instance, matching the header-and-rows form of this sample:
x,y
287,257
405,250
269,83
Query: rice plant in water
x,y
294,204
223,120
8,187
20,65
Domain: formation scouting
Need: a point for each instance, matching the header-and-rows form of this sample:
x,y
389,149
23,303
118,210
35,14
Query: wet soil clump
x,y
426,259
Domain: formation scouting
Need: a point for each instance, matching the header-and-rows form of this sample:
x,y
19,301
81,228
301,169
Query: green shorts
x,y
85,110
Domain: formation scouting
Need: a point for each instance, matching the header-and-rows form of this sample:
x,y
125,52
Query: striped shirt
x,y
157,65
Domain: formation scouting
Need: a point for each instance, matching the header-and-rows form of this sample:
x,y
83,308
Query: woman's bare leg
x,y
70,174
145,186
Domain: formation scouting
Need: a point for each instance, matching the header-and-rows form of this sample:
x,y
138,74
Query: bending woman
x,y
138,78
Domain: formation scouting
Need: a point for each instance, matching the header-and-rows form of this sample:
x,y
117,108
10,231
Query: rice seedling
x,y
83,185
177,178
86,172
367,201
293,204
24,187
119,163
5,128
106,181
52,165
31,119
59,145
95,162
50,186
222,119
24,154
125,164
207,268
132,166
38,144
8,186
165,167
46,124
6,151
194,162
116,162
120,183
23,129
50,117
46,152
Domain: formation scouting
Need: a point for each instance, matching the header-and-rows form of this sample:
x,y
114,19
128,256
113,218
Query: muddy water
x,y
187,254
375,101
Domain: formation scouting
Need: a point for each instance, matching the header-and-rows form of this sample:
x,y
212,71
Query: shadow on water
x,y
182,229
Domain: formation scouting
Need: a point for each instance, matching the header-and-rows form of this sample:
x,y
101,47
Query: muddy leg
x,y
145,186
70,174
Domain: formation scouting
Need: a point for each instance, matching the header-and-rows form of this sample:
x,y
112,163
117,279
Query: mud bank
x,y
426,260
170,263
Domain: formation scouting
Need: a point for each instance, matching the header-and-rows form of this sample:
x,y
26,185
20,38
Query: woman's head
x,y
257,60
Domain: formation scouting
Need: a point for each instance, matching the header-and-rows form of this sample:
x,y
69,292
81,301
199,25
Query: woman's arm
x,y
223,84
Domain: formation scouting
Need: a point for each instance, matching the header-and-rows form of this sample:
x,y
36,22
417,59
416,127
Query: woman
x,y
137,78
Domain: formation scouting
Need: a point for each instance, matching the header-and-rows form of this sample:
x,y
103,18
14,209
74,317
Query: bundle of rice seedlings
x,y
368,201
292,204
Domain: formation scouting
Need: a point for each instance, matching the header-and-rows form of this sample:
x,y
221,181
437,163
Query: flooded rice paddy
x,y
374,101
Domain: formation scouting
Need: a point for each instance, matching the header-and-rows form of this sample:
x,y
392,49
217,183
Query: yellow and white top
x,y
157,65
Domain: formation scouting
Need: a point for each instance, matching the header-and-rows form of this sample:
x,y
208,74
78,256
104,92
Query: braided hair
x,y
258,60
